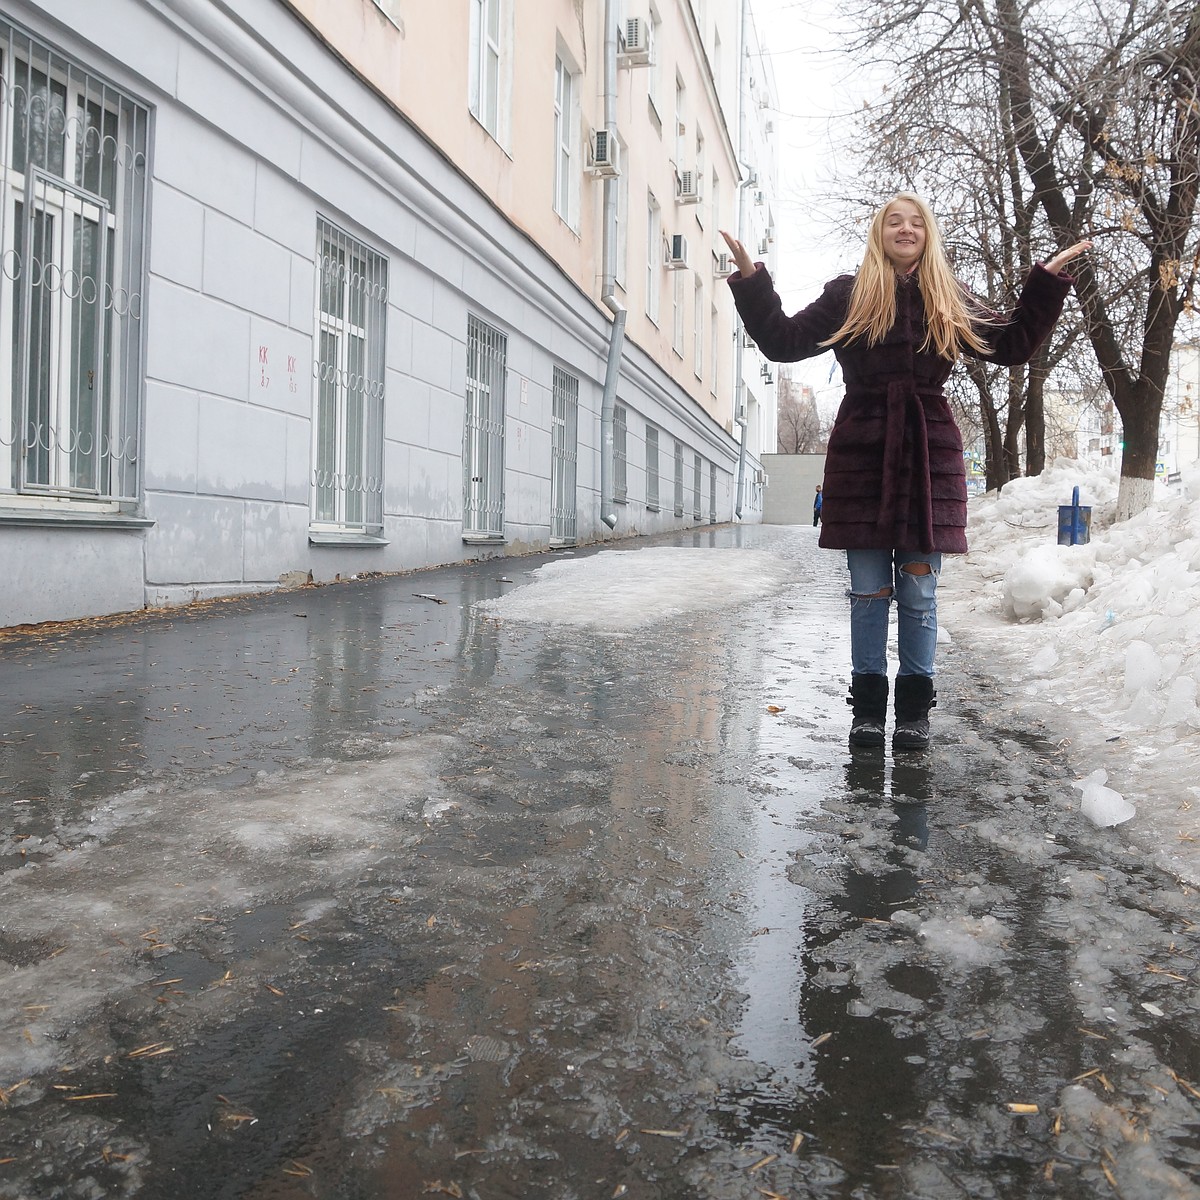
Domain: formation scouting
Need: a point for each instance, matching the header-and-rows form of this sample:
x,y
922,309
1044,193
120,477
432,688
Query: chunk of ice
x,y
1143,667
1101,805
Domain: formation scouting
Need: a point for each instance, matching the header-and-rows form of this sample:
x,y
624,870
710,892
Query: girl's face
x,y
903,235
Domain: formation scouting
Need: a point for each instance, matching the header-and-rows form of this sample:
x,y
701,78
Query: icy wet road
x,y
349,893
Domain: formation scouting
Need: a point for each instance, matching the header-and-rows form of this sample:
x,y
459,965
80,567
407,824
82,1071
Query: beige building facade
x,y
512,92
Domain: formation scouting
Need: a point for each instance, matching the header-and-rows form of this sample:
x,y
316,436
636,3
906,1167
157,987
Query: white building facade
x,y
270,322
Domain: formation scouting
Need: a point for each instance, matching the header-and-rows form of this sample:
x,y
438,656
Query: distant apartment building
x,y
1088,427
311,288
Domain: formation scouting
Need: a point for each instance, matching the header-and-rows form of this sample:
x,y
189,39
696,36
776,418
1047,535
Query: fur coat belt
x,y
906,500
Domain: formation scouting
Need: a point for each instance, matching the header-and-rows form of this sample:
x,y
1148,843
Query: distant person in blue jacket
x,y
817,507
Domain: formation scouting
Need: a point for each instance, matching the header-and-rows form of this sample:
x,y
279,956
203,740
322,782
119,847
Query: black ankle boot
x,y
914,698
868,698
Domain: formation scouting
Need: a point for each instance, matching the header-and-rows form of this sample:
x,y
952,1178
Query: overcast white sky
x,y
819,88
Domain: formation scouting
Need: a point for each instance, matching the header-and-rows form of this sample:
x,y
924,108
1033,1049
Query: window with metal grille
x,y
564,453
620,454
483,432
652,501
679,479
697,471
347,481
73,172
712,494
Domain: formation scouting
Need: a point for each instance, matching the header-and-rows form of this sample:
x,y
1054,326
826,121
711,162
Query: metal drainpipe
x,y
739,389
616,343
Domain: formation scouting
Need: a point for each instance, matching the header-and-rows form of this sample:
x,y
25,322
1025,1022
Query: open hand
x,y
741,255
1063,257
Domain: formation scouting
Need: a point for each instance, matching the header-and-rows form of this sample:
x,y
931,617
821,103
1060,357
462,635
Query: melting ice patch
x,y
965,941
622,590
133,879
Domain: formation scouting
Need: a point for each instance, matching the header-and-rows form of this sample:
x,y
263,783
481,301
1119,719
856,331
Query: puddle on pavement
x,y
459,909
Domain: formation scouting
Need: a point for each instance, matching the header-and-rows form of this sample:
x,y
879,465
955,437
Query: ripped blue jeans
x,y
875,571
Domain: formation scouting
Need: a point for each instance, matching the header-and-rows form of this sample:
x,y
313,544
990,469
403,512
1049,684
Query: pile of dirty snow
x,y
1104,638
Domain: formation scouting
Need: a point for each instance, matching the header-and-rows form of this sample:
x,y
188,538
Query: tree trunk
x,y
994,465
1035,415
1140,412
1016,419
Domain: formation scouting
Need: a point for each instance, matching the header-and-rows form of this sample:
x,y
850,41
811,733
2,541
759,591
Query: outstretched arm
x,y
1015,339
780,337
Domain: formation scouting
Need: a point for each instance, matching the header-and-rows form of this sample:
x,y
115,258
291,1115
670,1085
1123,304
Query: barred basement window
x,y
73,171
483,432
564,454
697,470
620,454
652,501
347,491
679,479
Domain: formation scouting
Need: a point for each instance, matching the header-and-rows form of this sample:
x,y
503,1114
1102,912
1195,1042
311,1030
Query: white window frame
x,y
678,299
698,326
655,70
71,357
654,257
488,83
714,345
566,140
679,142
622,268
348,400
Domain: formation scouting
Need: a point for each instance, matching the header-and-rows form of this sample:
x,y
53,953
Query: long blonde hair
x,y
949,320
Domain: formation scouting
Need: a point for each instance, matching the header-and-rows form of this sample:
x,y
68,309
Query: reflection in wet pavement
x,y
349,893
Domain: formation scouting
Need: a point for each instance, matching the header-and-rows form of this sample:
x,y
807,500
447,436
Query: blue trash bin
x,y
1074,522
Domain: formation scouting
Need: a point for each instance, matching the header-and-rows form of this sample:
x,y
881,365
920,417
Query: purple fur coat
x,y
894,475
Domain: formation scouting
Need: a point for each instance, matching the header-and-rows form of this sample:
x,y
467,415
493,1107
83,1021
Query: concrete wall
x,y
791,483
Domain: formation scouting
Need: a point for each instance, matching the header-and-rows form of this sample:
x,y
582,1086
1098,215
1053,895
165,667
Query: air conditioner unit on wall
x,y
722,264
677,256
635,49
687,189
605,154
